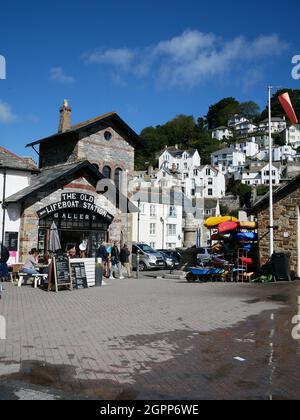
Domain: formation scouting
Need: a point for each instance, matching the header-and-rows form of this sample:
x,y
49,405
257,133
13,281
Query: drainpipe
x,y
3,207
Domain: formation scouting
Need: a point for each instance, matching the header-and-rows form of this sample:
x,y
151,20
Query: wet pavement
x,y
219,342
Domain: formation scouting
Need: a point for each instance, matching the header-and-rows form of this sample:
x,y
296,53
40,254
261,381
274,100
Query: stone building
x,y
286,223
72,163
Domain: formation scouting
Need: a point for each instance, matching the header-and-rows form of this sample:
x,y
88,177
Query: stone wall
x,y
115,153
286,237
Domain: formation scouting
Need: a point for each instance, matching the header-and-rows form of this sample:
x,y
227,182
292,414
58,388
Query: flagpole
x,y
271,177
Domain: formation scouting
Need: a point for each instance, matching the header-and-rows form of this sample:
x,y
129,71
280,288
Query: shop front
x,y
67,196
79,220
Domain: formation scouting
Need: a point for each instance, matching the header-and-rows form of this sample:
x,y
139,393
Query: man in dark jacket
x,y
102,253
115,261
124,258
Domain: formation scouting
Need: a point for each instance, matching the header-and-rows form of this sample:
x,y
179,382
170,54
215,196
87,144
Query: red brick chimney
x,y
65,117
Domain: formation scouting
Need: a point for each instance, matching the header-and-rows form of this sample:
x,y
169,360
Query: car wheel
x,y
142,266
190,278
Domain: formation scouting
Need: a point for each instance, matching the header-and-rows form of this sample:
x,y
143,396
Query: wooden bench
x,y
37,278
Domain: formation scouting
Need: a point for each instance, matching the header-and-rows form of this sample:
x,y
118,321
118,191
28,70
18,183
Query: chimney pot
x,y
65,117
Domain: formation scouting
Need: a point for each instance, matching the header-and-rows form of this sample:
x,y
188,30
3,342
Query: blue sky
x,y
147,60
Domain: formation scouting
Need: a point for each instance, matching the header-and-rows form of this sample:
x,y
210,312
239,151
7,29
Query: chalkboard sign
x,y
62,271
78,274
11,241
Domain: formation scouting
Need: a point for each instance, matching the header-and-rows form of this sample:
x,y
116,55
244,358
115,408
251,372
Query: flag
x,y
286,103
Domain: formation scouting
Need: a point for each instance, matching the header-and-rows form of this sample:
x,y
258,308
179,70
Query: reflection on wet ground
x,y
256,359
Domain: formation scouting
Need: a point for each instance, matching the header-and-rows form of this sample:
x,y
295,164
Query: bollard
x,y
137,265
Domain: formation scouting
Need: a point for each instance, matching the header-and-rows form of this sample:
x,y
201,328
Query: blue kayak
x,y
246,236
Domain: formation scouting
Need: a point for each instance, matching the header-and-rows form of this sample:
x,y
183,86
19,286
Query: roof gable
x,y
94,125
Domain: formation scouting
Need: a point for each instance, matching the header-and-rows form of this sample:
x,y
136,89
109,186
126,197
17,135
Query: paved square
x,y
151,338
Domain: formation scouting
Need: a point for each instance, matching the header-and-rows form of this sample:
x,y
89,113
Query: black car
x,y
172,253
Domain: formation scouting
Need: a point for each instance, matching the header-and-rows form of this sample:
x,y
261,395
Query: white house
x,y
15,175
222,133
182,170
237,119
159,222
249,148
277,125
208,182
257,173
292,135
243,129
228,160
181,160
279,154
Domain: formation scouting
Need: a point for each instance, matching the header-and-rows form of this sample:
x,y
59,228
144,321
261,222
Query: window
x,y
172,211
152,211
142,208
208,172
185,166
118,177
186,176
193,192
210,181
153,245
107,135
106,172
171,229
171,246
195,172
210,192
152,228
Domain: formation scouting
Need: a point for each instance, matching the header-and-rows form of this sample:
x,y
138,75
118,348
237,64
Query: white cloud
x,y
120,57
57,74
192,58
6,114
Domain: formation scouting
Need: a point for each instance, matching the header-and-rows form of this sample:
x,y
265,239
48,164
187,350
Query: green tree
x,y
250,109
219,113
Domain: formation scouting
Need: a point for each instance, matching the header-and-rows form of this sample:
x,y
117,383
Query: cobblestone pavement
x,y
151,339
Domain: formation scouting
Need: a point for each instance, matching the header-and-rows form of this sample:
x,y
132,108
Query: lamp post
x,y
163,232
139,219
3,205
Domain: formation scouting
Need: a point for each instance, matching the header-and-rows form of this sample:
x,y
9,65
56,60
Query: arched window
x,y
106,172
118,177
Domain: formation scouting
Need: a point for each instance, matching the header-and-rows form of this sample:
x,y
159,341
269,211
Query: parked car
x,y
149,258
170,262
204,255
172,253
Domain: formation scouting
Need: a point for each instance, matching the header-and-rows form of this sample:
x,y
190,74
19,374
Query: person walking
x,y
124,259
115,262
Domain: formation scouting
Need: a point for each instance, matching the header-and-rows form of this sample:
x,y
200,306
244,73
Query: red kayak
x,y
245,260
227,227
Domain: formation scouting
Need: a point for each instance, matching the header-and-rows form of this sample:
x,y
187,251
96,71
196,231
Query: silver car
x,y
149,259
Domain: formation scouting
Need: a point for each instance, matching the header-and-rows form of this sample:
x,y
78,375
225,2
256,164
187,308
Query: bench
x,y
37,278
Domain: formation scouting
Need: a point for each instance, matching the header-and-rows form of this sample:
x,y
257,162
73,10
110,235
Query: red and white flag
x,y
286,103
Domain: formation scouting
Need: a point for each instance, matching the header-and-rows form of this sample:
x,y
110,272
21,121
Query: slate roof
x,y
11,161
281,192
57,174
178,153
91,126
50,176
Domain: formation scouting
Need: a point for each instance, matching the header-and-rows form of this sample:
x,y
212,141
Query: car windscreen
x,y
147,249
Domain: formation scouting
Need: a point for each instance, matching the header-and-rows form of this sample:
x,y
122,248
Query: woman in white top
x,y
31,262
